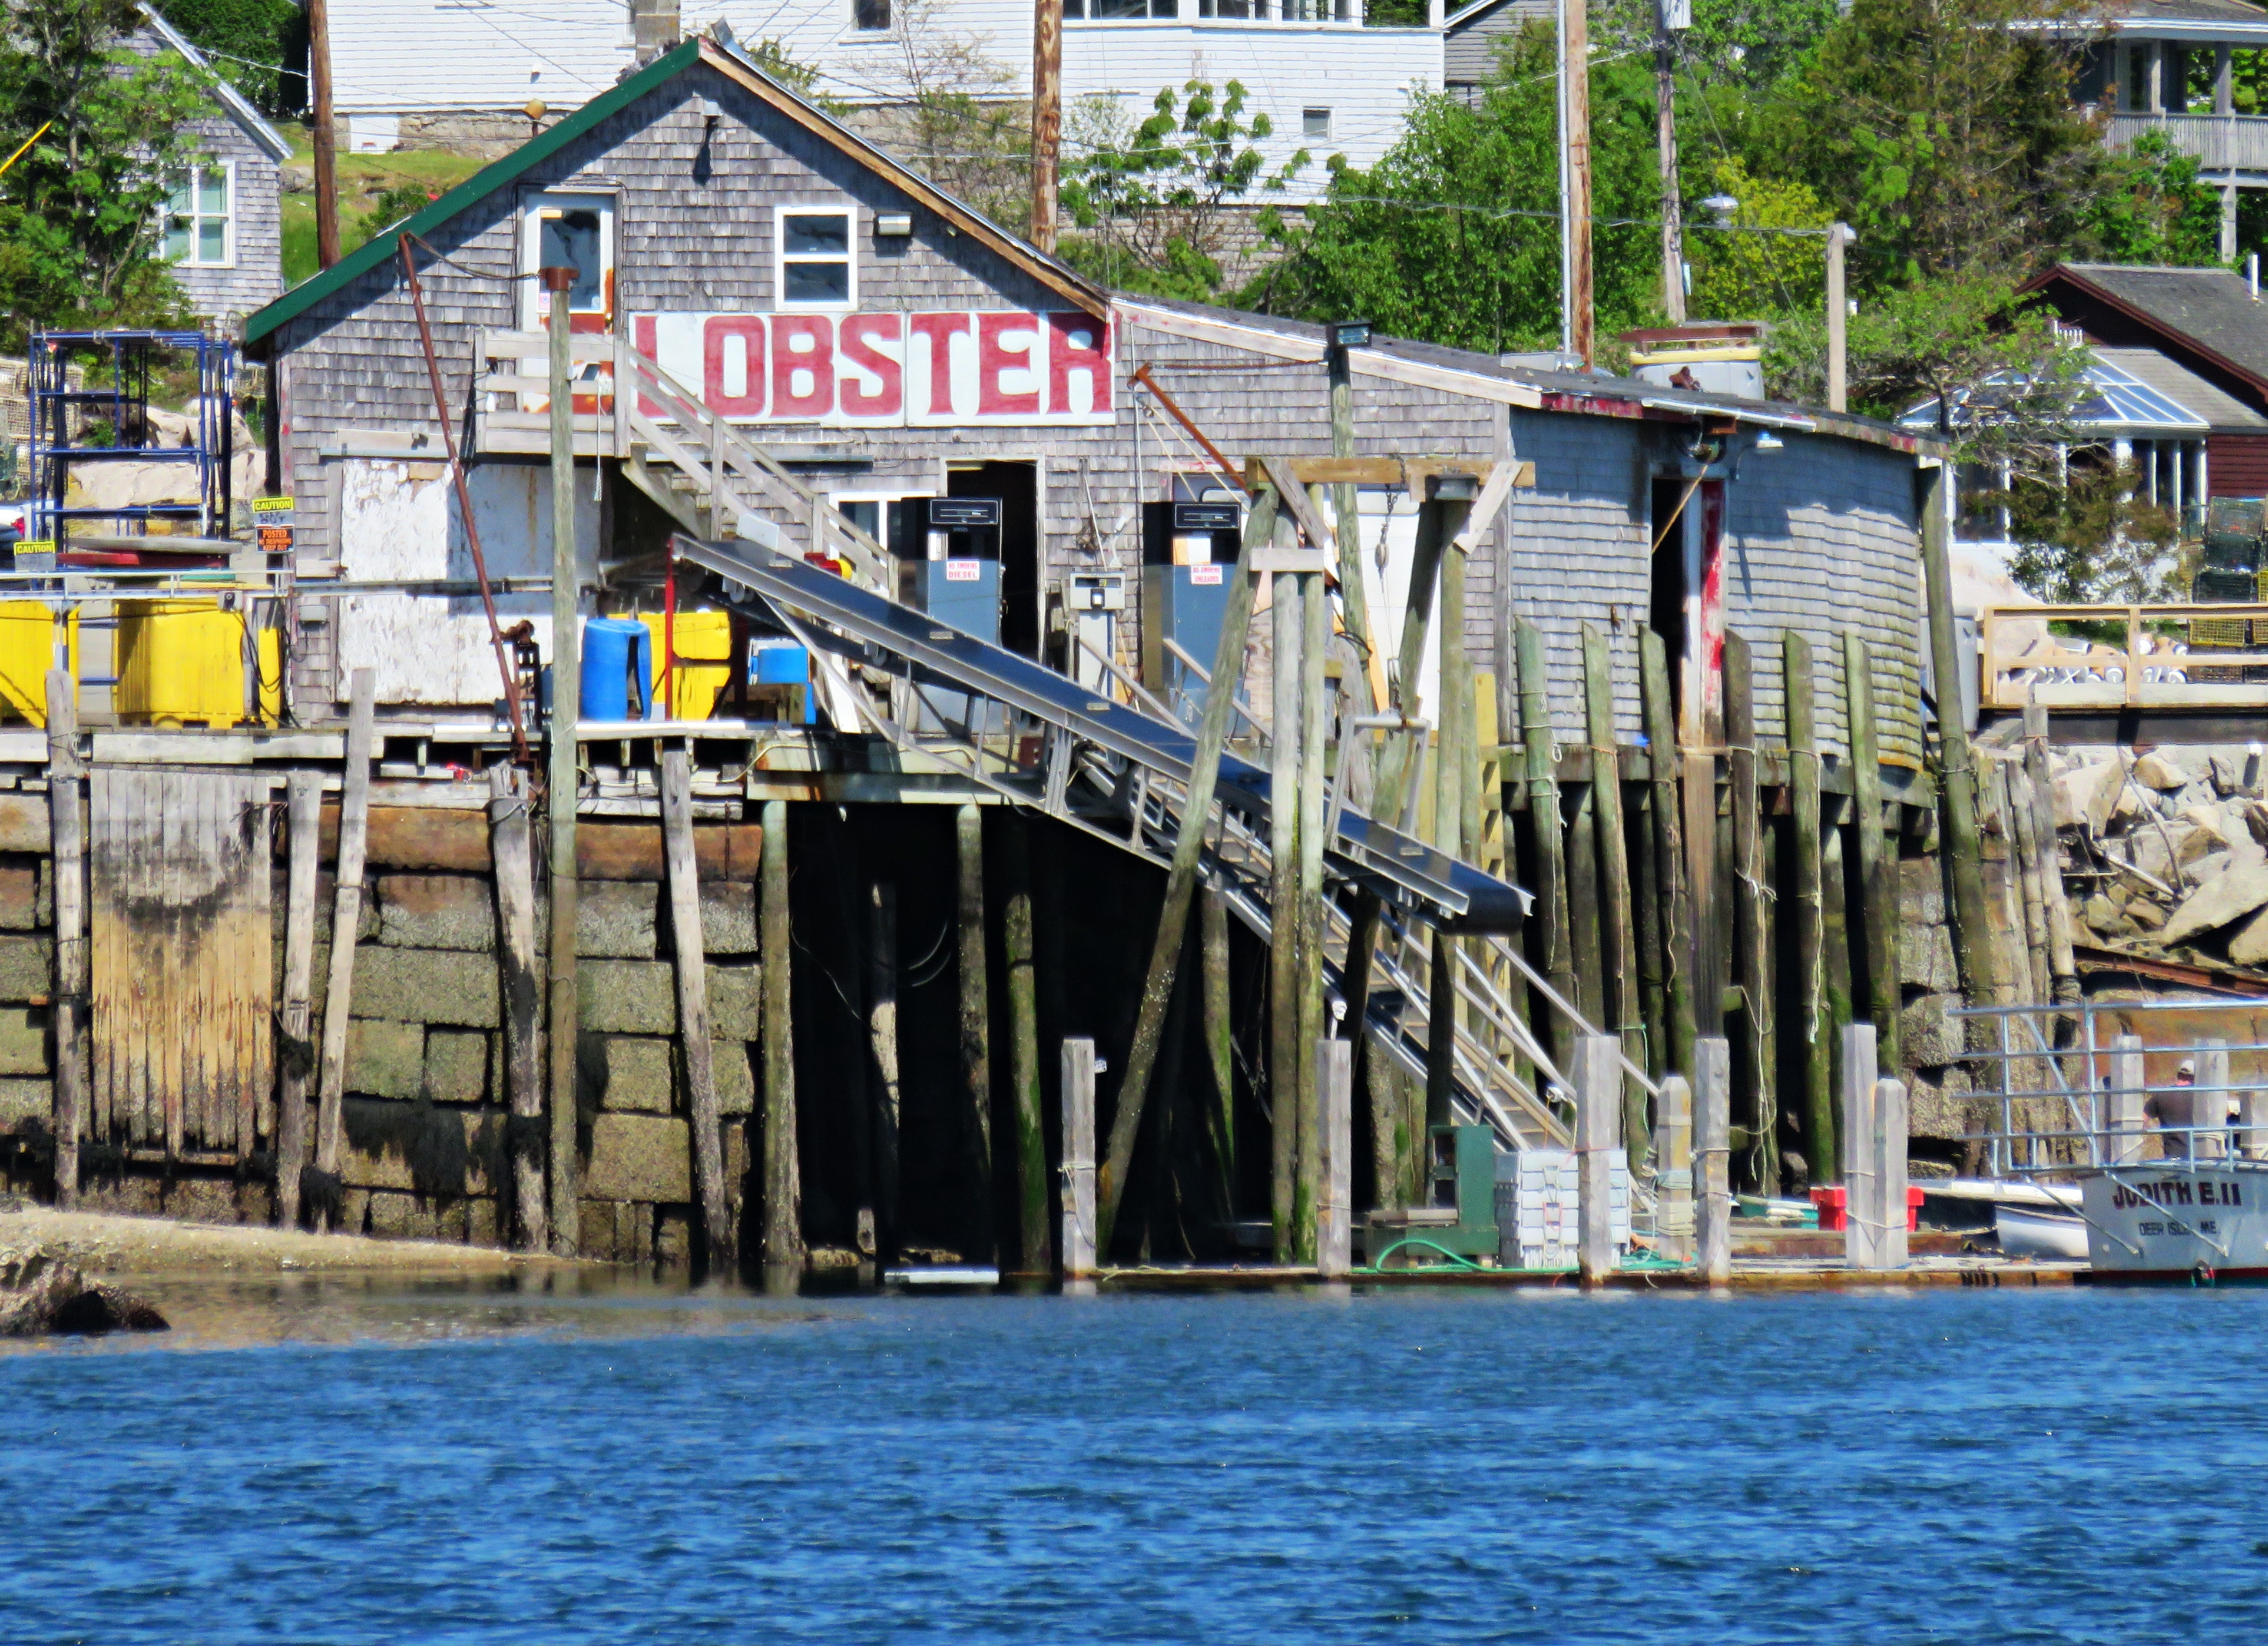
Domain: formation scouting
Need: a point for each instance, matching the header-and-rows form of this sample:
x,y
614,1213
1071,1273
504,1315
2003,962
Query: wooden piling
x,y
1713,1186
562,782
67,840
1335,1134
1669,845
1016,955
1877,902
1540,768
1598,1074
1617,939
509,851
1834,990
1861,1216
2028,931
1889,1140
1220,1046
1181,876
346,920
976,1014
1286,1056
1751,933
882,1055
1584,933
1317,714
2061,964
1078,1242
1958,841
303,811
695,1050
1809,923
783,1171
1673,1178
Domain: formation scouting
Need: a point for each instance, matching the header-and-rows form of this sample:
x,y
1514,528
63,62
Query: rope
x,y
1457,1258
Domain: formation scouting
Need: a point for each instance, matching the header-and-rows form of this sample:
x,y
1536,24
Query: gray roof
x,y
263,135
2174,19
2211,308
2222,411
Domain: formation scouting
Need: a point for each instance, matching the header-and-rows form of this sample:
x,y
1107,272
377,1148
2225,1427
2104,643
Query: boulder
x,y
2227,773
42,1298
2156,770
2225,898
2248,944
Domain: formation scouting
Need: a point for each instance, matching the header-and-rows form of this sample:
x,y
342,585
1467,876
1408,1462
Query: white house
x,y
408,72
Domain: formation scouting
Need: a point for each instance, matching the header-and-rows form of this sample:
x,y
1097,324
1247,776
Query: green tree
x,y
1153,207
2087,536
1454,235
78,212
1738,275
2150,207
258,45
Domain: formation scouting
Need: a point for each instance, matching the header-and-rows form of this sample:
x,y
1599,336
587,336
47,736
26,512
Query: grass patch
x,y
374,190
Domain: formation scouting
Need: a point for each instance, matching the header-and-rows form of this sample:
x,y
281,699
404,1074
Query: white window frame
x,y
535,302
1324,136
890,10
165,215
852,215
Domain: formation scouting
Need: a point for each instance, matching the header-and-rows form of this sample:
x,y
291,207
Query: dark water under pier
x,y
327,1460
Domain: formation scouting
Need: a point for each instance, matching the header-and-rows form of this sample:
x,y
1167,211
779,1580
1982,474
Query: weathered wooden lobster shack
x,y
781,342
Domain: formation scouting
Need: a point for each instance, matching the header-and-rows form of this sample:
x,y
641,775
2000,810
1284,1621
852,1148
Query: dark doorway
x,y
1666,612
1017,486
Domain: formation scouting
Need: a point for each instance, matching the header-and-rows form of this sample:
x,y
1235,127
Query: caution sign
x,y
272,520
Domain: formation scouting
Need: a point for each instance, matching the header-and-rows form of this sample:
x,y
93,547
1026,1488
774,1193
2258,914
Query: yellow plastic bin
x,y
182,663
705,661
28,631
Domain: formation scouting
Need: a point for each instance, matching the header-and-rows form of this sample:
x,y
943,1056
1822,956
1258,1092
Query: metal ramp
x,y
1112,770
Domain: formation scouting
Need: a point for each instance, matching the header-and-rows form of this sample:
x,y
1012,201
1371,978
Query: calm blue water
x,y
445,1466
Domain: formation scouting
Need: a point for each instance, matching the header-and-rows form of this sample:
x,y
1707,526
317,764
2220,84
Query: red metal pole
x,y
669,635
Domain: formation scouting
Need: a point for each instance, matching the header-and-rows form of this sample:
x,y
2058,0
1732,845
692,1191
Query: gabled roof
x,y
2181,19
256,130
2209,312
378,248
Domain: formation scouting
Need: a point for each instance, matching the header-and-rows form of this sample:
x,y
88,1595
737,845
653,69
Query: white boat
x,y
2177,1220
2033,1231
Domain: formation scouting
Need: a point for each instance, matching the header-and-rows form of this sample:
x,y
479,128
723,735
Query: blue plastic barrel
x,y
618,669
783,663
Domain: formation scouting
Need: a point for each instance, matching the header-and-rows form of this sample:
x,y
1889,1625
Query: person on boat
x,y
2174,1111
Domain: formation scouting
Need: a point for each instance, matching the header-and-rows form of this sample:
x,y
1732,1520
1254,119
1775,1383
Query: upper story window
x,y
200,229
1120,11
1315,124
815,263
873,16
569,229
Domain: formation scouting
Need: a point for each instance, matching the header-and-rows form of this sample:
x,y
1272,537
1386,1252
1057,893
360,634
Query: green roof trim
x,y
489,178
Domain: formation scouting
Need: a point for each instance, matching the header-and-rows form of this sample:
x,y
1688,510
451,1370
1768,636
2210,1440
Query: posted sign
x,y
867,370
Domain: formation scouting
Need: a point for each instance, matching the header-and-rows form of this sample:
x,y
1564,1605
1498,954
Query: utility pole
x,y
1046,118
566,711
1575,135
1669,16
1838,316
1566,193
327,156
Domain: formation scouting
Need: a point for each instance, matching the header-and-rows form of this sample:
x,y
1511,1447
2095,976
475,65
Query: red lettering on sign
x,y
855,343
803,365
995,360
737,341
1077,343
642,340
940,329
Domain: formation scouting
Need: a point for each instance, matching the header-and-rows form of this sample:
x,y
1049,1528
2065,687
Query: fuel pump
x,y
1188,552
948,554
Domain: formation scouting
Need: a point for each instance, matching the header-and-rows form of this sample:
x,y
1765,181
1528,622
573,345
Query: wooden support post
x,y
1669,843
1583,922
1619,943
782,1172
1959,843
1017,954
1673,1178
346,919
303,811
1598,1074
1047,119
1286,1057
1712,1148
2061,964
1078,1241
1334,1133
563,781
2028,880
1646,923
1712,940
1220,1046
1861,1215
976,1014
1752,936
510,849
2209,1104
1878,937
1834,990
1540,765
696,1049
322,133
1890,1173
1181,877
1316,716
2124,1103
882,1047
1818,1101
67,840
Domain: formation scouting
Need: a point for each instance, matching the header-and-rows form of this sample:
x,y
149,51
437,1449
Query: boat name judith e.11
x,y
2177,1220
